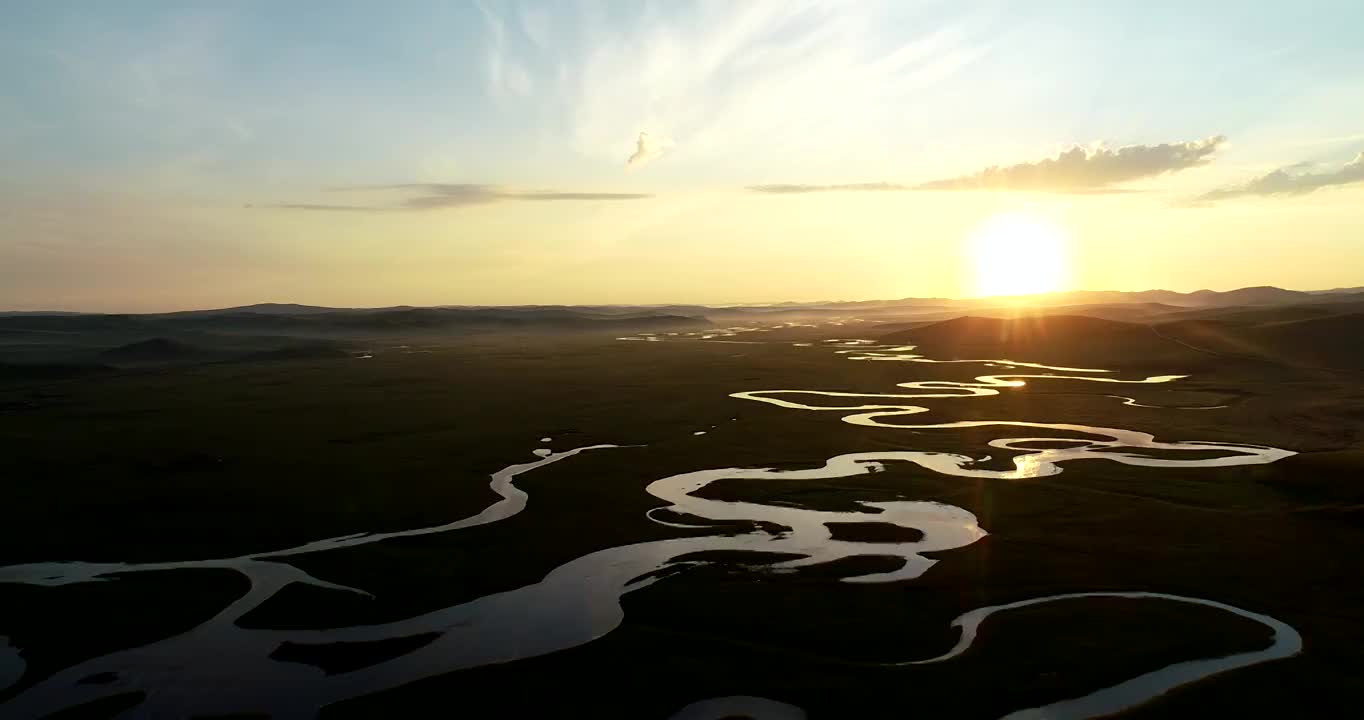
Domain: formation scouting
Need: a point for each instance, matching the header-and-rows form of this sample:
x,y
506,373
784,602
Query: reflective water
x,y
1285,642
220,667
513,500
1132,402
881,410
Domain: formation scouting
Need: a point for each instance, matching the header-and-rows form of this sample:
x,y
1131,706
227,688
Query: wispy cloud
x,y
1292,180
437,196
781,189
1087,170
506,76
548,195
319,206
647,149
771,76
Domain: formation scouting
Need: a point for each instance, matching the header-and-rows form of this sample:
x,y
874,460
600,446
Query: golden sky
x,y
528,152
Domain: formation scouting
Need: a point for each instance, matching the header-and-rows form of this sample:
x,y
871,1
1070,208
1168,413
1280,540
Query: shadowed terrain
x,y
178,456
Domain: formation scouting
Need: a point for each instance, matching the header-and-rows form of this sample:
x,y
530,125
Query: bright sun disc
x,y
1019,254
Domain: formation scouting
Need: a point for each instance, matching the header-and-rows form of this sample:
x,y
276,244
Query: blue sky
x,y
171,108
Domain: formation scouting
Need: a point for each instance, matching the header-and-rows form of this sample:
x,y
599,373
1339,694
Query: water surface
x,y
220,667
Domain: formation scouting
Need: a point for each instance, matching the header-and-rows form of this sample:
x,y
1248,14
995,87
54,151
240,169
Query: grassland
x,y
222,459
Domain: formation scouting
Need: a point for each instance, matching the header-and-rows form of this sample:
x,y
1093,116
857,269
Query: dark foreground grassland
x,y
220,460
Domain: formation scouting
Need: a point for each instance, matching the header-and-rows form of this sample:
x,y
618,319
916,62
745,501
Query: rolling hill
x,y
1330,341
154,351
1072,340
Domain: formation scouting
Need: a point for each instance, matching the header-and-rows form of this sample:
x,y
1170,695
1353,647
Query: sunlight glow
x,y
1019,254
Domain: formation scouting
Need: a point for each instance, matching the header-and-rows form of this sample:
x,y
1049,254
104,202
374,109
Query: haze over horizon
x,y
201,155
1037,300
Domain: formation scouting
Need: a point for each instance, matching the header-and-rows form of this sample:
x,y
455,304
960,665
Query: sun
x,y
1019,254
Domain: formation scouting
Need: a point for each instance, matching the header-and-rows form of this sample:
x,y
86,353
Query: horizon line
x,y
776,303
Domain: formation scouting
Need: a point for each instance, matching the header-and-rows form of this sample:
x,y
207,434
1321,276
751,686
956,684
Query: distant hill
x,y
265,309
39,322
239,322
1259,295
1340,291
1250,296
1108,329
1322,342
319,322
283,332
1260,314
1264,295
1133,312
1075,341
155,350
1336,298
1114,304
487,319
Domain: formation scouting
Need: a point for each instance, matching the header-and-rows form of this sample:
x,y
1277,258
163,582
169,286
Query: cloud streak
x,y
783,189
319,207
770,76
1290,181
1088,171
438,196
647,149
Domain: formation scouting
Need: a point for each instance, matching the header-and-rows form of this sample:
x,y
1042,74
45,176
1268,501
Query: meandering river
x,y
220,667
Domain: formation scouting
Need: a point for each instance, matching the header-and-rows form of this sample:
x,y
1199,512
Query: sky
x,y
176,155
